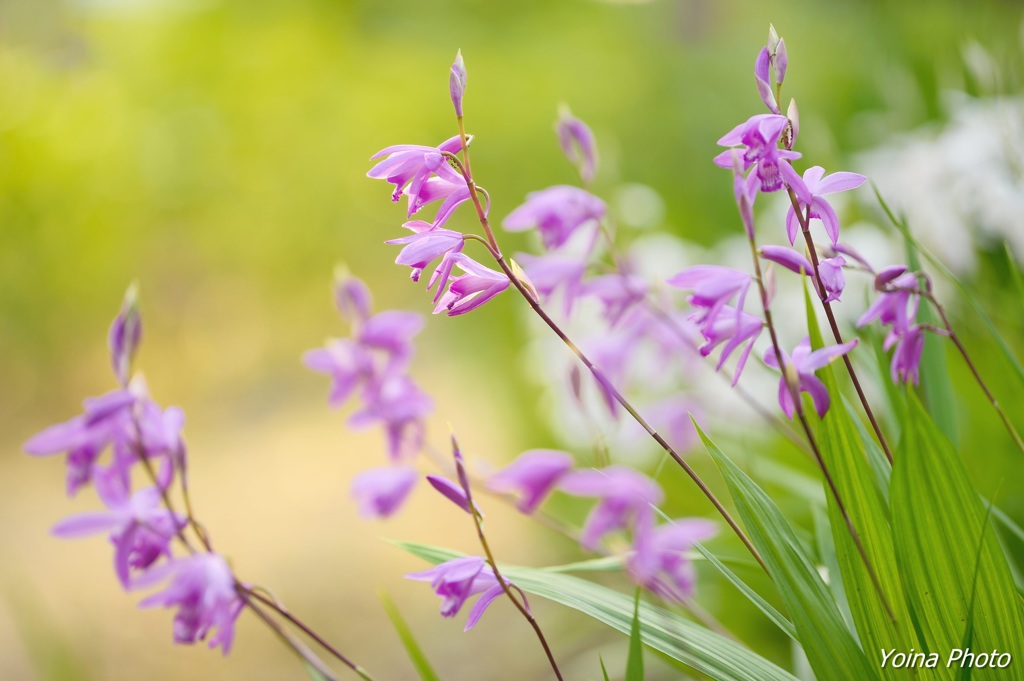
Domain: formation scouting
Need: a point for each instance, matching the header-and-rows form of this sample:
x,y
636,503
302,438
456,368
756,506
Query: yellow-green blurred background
x,y
216,152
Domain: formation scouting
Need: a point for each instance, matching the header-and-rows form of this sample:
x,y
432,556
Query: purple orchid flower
x,y
380,492
458,580
469,291
578,143
896,307
551,271
400,406
85,437
533,475
453,492
762,76
906,359
346,362
391,332
427,244
800,372
626,497
203,589
411,165
736,329
658,561
712,286
809,191
140,527
618,292
759,136
557,213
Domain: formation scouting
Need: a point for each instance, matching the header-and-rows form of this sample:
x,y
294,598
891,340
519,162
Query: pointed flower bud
x,y
125,334
457,83
351,296
578,143
781,62
773,39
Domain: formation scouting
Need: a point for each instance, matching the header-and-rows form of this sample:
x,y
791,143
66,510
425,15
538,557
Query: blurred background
x,y
215,151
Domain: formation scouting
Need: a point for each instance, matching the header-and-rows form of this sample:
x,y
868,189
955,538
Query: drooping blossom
x,y
896,307
457,83
397,404
799,373
469,291
424,246
713,289
533,475
140,528
577,141
557,213
202,588
625,499
380,492
551,272
759,138
346,362
391,332
618,293
410,166
830,270
458,580
809,190
659,562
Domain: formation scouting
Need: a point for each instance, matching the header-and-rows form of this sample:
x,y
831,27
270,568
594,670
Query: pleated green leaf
x,y
695,646
956,576
877,605
635,661
831,649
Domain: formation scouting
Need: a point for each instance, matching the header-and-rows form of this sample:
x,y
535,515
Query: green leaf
x,y
604,672
857,483
416,655
603,564
831,649
764,606
938,520
697,647
635,661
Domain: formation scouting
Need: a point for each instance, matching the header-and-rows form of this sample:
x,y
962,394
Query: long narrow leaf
x,y
635,661
412,647
832,651
938,520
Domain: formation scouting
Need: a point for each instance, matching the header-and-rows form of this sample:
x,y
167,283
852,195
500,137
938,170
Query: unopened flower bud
x,y
351,296
773,39
781,60
887,275
125,334
578,143
457,83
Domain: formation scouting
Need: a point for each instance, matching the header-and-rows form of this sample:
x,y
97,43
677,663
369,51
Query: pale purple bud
x,y
794,124
578,143
452,492
833,279
351,296
125,334
457,83
887,275
781,62
773,39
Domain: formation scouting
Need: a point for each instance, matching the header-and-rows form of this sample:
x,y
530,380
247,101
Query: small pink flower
x,y
469,291
380,492
533,474
458,580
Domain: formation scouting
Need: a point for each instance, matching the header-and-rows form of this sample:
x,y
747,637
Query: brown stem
x,y
623,402
280,609
804,219
299,648
970,365
794,391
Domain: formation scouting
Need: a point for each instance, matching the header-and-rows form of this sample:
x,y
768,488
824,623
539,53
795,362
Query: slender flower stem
x,y
798,405
970,365
520,606
280,609
804,219
495,252
299,648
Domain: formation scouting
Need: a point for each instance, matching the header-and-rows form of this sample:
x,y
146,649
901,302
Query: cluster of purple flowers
x,y
373,363
627,500
140,524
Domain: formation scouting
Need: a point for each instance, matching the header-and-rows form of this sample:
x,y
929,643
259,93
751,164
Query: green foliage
x,y
831,649
635,661
938,520
412,647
